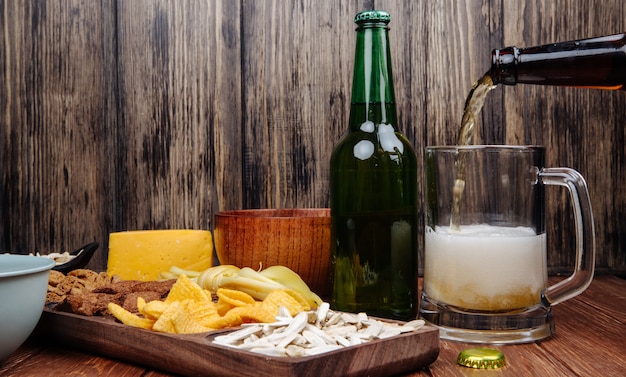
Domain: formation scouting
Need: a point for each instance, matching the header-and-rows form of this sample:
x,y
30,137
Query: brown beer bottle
x,y
591,63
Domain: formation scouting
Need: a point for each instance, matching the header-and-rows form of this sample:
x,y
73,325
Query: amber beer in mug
x,y
485,272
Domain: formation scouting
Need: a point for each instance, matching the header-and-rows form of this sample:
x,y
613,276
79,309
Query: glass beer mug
x,y
485,271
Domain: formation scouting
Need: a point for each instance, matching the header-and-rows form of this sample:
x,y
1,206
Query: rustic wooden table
x,y
590,340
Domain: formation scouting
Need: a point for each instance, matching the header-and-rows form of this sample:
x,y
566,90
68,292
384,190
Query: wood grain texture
x,y
589,341
56,361
582,128
157,114
197,355
297,74
589,335
180,99
58,116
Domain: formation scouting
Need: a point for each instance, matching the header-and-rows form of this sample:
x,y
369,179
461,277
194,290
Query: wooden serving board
x,y
196,355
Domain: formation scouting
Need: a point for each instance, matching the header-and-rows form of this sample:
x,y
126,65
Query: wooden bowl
x,y
295,238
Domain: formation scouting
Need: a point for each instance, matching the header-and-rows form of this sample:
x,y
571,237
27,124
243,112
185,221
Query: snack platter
x,y
193,355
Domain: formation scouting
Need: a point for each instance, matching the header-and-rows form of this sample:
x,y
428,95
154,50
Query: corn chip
x,y
164,323
281,297
184,289
254,313
190,309
153,309
184,323
129,318
234,297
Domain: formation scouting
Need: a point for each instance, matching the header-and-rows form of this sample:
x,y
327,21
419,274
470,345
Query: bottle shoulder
x,y
361,147
388,141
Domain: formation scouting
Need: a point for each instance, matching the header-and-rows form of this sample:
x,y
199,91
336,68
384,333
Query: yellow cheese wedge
x,y
143,254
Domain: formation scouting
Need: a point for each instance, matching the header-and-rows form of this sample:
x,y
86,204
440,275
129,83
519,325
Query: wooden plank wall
x,y
151,114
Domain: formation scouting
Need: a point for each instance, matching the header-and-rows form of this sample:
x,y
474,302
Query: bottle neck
x,y
373,96
594,63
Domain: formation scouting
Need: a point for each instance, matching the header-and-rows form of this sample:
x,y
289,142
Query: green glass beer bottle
x,y
373,190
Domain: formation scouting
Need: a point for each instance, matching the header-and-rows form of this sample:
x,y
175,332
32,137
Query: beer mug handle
x,y
584,266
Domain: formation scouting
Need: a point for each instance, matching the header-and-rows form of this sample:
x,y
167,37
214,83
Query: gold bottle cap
x,y
481,358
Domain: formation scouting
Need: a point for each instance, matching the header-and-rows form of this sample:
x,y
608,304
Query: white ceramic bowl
x,y
23,287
